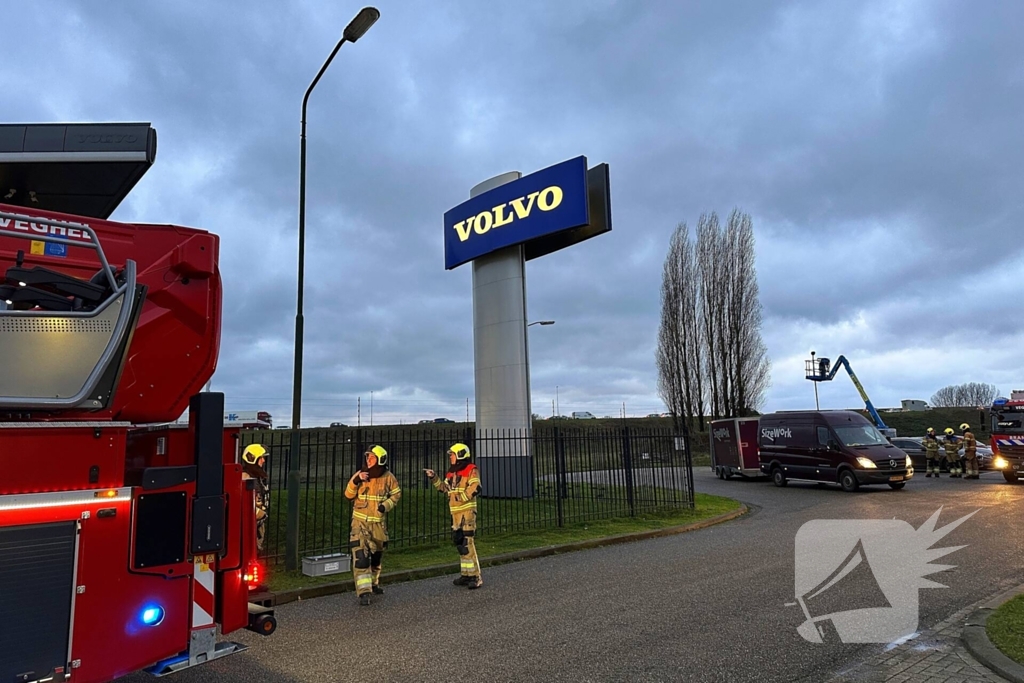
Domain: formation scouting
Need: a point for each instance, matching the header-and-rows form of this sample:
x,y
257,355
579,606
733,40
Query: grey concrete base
x,y
976,640
506,476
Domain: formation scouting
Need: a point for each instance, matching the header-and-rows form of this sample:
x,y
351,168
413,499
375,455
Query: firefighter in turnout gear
x,y
374,492
462,486
931,448
254,466
952,447
970,452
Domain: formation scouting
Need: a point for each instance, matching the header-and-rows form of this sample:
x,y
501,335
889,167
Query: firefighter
x,y
254,466
462,486
374,492
952,447
931,448
970,452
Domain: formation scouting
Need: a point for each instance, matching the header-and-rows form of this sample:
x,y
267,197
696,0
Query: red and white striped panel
x,y
203,582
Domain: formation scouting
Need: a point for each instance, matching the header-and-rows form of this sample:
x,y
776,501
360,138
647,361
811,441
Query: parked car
x,y
338,424
583,415
426,422
830,446
914,447
443,420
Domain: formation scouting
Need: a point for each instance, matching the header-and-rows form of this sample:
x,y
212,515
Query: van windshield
x,y
861,435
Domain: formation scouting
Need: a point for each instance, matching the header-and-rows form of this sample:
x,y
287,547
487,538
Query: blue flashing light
x,y
1000,401
151,616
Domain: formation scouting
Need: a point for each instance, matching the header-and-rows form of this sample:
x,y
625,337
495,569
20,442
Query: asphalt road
x,y
703,606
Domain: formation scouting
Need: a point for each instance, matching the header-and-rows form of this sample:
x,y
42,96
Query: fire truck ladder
x,y
818,370
64,339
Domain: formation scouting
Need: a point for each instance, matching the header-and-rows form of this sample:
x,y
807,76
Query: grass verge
x,y
1005,629
491,544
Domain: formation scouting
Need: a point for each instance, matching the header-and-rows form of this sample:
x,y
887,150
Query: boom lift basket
x,y
816,369
64,359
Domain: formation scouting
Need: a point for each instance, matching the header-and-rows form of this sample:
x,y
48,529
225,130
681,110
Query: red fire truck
x,y
1007,440
123,546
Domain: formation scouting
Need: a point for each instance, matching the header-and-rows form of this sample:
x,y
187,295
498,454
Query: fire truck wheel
x,y
779,477
1010,477
265,624
848,480
897,487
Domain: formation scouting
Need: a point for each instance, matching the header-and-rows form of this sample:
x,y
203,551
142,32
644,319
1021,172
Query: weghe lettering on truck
x,y
776,432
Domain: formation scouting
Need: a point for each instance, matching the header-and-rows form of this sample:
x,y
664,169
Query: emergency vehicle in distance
x,y
125,542
1007,441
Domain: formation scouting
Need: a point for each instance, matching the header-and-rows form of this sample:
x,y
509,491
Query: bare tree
x,y
679,354
711,358
970,394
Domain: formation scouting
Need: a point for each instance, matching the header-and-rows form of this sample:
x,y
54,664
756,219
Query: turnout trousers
x,y
367,541
971,464
464,538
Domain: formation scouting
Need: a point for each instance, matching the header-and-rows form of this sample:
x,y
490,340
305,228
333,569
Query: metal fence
x,y
578,474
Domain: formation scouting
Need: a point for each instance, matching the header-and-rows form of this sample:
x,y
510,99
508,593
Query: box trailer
x,y
734,447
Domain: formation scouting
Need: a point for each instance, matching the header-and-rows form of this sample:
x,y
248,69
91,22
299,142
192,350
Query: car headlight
x,y
867,463
909,464
999,462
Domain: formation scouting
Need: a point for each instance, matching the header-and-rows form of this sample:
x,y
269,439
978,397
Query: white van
x,y
583,416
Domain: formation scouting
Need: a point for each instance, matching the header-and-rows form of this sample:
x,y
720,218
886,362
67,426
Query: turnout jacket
x,y
461,487
367,495
970,444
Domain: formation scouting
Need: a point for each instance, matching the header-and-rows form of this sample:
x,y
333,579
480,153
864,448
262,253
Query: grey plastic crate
x,y
325,565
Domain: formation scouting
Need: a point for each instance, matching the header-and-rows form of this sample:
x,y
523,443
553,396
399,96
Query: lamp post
x,y
353,32
542,322
816,406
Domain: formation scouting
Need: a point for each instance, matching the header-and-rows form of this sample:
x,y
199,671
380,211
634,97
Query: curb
x,y
269,599
975,639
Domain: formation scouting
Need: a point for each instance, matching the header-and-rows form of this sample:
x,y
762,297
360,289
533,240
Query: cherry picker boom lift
x,y
819,370
124,546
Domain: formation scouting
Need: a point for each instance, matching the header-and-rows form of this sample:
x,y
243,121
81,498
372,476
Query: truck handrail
x,y
125,292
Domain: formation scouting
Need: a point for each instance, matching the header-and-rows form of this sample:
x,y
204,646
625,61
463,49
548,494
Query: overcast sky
x,y
877,145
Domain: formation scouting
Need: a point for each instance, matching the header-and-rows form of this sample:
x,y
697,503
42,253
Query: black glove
x,y
381,509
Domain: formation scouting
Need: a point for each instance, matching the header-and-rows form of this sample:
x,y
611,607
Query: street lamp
x,y
542,322
353,32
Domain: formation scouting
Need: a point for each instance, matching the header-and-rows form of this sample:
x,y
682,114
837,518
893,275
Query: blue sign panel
x,y
542,203
56,249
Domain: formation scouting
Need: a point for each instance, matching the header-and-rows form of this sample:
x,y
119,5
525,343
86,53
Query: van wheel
x,y
779,477
848,480
726,473
897,487
1010,477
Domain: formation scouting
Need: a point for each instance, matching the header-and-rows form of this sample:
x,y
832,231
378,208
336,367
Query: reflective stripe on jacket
x,y
367,495
461,487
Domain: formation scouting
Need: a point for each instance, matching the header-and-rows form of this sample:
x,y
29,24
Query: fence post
x,y
559,477
291,554
627,462
688,466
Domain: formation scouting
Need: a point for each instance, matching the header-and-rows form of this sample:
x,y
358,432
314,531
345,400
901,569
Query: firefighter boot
x,y
364,600
475,582
462,580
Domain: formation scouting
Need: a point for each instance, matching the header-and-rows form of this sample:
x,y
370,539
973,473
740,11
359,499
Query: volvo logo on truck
x,y
776,432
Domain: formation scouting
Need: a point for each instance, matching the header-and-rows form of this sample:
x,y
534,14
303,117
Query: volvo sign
x,y
508,220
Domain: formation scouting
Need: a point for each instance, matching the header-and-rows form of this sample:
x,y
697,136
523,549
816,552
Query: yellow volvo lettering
x,y
548,199
483,222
